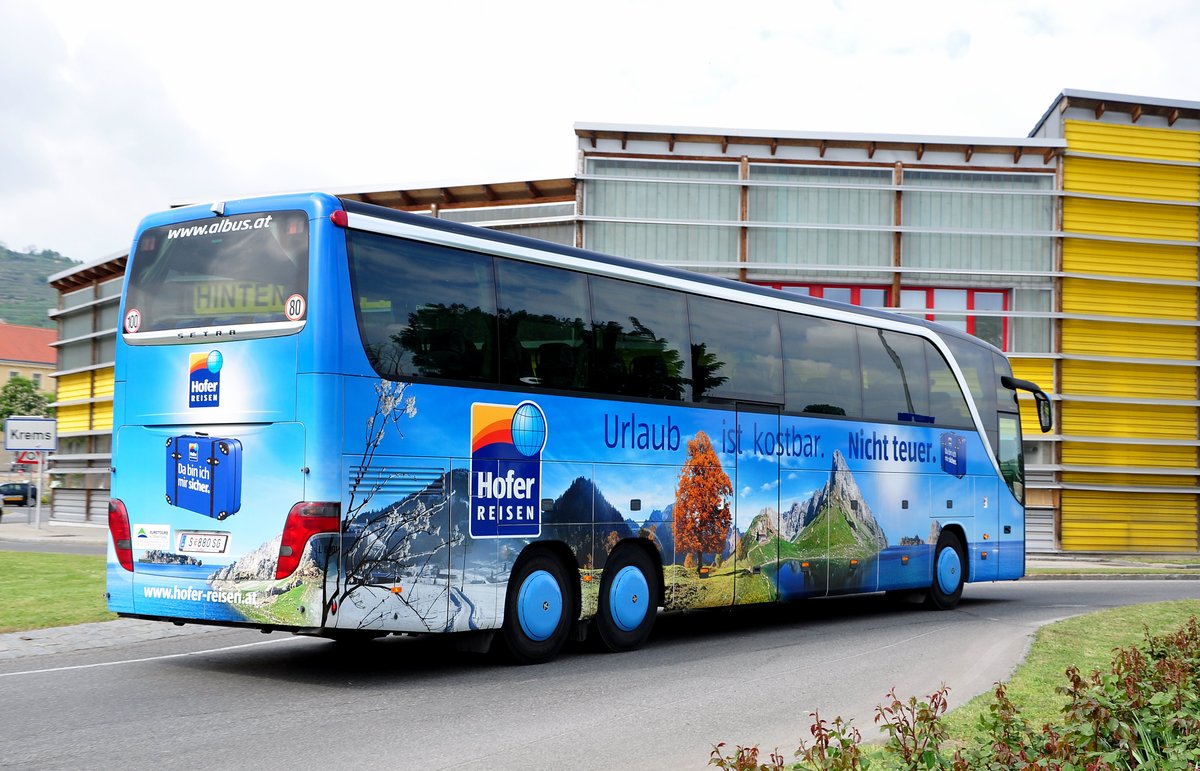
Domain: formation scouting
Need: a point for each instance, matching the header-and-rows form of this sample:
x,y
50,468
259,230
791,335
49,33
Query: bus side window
x,y
946,401
424,310
821,359
640,340
895,386
736,351
977,366
543,338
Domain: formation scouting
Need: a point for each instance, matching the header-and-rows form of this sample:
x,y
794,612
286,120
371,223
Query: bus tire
x,y
949,572
537,609
628,600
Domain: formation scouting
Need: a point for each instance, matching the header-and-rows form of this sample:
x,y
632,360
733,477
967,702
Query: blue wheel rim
x,y
539,605
949,570
627,598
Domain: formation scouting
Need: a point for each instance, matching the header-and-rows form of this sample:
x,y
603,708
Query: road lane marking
x,y
148,658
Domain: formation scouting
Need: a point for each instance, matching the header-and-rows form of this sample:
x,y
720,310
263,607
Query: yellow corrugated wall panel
x,y
1134,141
1148,455
1117,259
1138,341
1040,371
1131,180
102,416
77,386
1151,421
1113,521
74,418
1029,417
1109,298
1134,220
1128,480
104,382
1133,380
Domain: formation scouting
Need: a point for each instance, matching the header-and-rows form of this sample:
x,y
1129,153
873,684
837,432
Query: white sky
x,y
110,110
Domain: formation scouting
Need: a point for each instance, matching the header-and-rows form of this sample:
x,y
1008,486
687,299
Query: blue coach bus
x,y
337,419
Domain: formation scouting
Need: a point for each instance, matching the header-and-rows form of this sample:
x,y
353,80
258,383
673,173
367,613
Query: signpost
x,y
31,434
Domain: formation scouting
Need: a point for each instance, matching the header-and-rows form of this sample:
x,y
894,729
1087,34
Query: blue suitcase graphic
x,y
204,475
954,454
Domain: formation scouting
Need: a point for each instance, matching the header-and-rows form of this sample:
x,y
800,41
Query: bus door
x,y
754,541
985,559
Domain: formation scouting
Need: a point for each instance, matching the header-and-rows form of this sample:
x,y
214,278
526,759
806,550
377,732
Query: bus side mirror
x,y
1045,413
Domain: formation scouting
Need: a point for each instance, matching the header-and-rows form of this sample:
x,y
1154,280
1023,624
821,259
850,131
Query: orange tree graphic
x,y
702,517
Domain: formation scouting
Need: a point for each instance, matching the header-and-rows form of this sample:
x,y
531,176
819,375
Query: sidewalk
x,y
17,525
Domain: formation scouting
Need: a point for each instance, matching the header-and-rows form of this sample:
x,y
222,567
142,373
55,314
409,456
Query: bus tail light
x,y
305,520
118,527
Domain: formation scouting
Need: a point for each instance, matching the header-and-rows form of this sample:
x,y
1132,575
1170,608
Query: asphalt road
x,y
224,698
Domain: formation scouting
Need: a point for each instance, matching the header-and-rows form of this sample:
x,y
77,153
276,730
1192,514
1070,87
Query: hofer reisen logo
x,y
506,470
204,379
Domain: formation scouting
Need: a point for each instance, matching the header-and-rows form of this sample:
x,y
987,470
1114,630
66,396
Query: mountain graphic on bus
x,y
838,511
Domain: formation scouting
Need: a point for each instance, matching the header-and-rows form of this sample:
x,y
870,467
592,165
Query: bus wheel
x,y
628,600
537,613
949,569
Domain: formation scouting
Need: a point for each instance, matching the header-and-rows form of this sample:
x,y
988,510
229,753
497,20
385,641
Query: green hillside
x,y
843,540
24,294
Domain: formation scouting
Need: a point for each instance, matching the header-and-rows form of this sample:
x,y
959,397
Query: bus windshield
x,y
224,271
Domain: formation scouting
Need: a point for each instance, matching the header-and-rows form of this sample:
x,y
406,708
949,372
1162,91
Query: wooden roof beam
x,y
447,196
406,199
822,147
774,145
871,150
1046,156
1172,116
920,151
1017,154
724,145
624,139
533,190
592,136
1099,110
970,151
488,193
671,144
1136,112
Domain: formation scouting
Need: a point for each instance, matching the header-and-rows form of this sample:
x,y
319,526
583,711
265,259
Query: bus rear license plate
x,y
203,543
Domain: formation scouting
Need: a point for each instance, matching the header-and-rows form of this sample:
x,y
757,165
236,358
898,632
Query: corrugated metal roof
x,y
89,272
1101,101
760,136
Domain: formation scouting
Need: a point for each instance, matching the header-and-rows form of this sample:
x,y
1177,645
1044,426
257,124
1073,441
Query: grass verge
x,y
1086,642
44,590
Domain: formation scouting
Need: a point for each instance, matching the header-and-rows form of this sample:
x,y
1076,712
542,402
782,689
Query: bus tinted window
x,y
895,385
542,331
640,340
424,310
979,370
822,366
946,401
735,351
224,271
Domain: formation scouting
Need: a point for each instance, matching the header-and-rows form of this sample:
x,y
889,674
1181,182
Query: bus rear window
x,y
228,271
